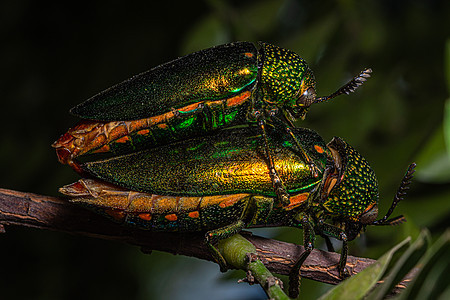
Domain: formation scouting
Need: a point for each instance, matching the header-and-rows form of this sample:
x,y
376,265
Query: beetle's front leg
x,y
278,185
312,166
285,122
308,243
338,233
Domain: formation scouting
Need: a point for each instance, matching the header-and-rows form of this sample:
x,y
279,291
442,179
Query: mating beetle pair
x,y
166,173
219,87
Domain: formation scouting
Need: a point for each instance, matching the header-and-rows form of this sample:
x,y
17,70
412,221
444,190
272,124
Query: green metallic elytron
x,y
212,89
221,184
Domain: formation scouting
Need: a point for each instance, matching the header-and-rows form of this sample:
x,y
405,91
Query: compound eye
x,y
370,215
307,98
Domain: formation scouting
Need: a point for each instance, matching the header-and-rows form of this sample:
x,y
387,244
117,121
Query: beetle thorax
x,y
350,190
284,76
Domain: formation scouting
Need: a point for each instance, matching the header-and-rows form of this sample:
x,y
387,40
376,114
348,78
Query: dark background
x,y
54,55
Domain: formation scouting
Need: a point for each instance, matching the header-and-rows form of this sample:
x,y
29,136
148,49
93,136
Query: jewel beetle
x,y
221,184
219,87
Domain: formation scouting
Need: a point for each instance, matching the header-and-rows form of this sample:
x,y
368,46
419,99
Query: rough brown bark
x,y
53,213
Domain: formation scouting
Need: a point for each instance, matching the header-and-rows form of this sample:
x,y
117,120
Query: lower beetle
x,y
221,184
219,87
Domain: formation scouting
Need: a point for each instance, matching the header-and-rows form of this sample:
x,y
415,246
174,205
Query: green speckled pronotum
x,y
191,96
221,184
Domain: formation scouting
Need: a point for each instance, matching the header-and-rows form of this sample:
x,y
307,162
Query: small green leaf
x,y
357,286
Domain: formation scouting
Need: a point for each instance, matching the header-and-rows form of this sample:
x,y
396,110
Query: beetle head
x,y
350,187
350,191
286,79
306,94
287,82
353,228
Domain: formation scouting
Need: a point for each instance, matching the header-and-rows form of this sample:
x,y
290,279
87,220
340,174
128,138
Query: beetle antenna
x,y
401,192
348,88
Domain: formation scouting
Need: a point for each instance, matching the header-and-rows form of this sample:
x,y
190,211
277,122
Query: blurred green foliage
x,y
362,283
57,54
377,281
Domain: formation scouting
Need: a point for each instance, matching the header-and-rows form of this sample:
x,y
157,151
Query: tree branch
x,y
54,213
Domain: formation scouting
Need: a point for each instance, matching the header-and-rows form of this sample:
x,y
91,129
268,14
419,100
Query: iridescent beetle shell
x,y
233,162
221,184
215,88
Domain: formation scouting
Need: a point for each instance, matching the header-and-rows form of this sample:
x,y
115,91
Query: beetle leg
x,y
256,212
280,190
278,185
330,246
214,236
308,242
312,167
336,232
343,272
262,208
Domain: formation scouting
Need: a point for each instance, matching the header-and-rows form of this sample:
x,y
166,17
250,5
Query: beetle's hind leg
x,y
214,236
308,242
256,212
325,229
